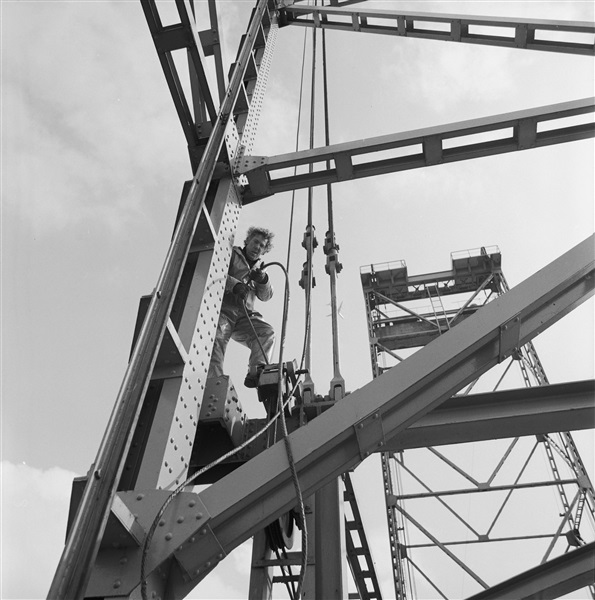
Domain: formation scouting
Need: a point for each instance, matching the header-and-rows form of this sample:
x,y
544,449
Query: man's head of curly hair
x,y
266,233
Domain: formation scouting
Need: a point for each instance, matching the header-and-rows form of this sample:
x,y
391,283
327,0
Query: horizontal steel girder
x,y
201,529
491,31
562,575
505,414
508,132
511,413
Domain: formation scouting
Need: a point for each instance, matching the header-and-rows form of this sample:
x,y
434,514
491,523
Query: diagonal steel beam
x,y
562,575
520,130
200,529
166,40
179,36
196,54
572,37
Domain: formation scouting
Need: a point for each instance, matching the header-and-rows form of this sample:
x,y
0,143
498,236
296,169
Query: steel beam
x,y
179,36
200,529
430,146
470,29
518,412
330,543
505,414
562,575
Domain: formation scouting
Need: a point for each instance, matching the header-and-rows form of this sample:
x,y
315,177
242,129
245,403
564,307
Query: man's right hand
x,y
241,290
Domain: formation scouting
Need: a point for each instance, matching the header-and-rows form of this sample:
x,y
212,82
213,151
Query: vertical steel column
x,y
261,581
330,543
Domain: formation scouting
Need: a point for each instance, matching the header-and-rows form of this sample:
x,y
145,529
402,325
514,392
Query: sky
x,y
93,162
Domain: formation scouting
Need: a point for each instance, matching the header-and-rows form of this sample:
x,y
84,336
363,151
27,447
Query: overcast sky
x,y
93,162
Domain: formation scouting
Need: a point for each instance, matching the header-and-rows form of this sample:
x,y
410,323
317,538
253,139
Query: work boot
x,y
253,377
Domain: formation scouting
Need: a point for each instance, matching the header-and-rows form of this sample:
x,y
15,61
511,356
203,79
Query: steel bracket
x,y
509,337
179,531
249,163
370,434
188,558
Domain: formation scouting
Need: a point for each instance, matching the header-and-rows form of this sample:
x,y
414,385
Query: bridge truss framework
x,y
147,448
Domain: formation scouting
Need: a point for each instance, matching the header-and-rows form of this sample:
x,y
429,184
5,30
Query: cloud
x,y
76,138
34,513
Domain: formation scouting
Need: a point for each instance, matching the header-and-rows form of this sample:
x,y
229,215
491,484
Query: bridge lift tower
x,y
139,527
512,508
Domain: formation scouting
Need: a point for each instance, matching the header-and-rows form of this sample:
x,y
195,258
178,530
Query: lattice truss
x,y
454,511
138,528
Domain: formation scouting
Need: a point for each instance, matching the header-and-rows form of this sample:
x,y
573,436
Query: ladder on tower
x,y
365,578
438,309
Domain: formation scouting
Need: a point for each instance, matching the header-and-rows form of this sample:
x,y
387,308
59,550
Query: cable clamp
x,y
310,232
305,275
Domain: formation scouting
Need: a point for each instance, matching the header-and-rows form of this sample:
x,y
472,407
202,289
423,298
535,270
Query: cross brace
x,y
519,130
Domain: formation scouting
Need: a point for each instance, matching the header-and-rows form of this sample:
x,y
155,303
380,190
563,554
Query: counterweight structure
x,y
438,500
138,526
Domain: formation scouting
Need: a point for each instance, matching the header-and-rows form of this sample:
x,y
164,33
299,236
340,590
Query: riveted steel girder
x,y
562,575
503,414
492,415
508,132
470,29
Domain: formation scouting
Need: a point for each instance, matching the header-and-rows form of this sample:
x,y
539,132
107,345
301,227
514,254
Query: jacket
x,y
238,273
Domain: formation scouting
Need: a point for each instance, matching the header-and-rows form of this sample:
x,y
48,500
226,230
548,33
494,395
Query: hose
x,y
286,440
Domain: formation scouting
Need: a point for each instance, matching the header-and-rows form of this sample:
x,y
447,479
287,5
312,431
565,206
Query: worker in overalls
x,y
238,320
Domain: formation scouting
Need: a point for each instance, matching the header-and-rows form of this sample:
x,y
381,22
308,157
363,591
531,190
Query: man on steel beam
x,y
238,319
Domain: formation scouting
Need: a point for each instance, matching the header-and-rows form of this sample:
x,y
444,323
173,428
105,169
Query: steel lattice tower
x,y
405,312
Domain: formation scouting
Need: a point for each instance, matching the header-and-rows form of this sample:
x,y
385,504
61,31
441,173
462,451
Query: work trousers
x,y
236,326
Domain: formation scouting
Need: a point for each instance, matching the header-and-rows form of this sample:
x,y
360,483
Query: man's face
x,y
255,246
